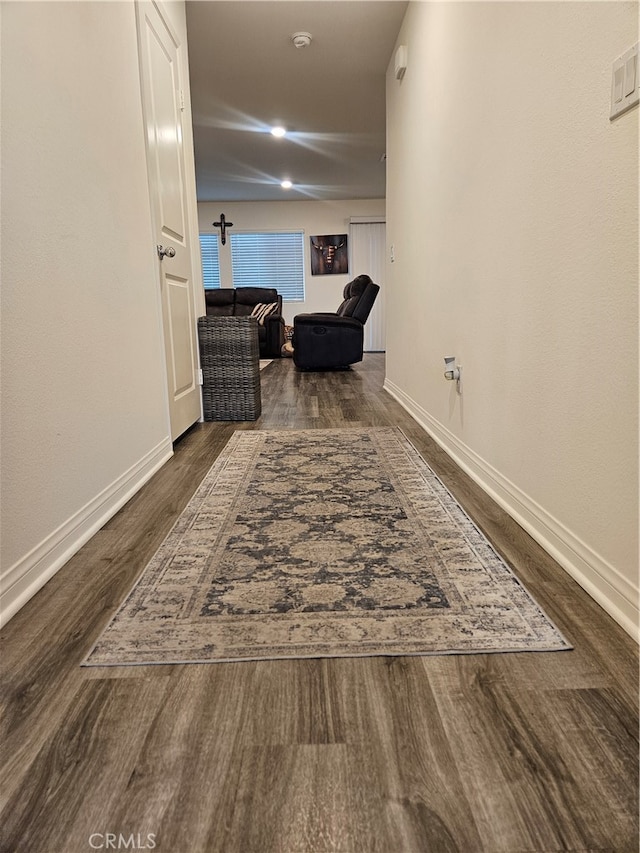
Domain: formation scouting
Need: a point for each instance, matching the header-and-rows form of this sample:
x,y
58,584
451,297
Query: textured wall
x,y
83,403
512,206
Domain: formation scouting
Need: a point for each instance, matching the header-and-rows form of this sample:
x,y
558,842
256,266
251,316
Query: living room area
x,y
394,609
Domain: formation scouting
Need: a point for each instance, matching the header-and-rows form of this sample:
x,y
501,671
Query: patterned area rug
x,y
366,553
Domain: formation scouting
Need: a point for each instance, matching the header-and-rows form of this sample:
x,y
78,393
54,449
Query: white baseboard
x,y
613,592
22,580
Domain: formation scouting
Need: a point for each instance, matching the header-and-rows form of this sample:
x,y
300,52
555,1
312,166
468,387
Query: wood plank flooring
x,y
503,752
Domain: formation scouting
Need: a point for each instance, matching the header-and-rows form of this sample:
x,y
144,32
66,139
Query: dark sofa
x,y
240,302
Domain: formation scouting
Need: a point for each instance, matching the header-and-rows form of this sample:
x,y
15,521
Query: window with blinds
x,y
270,259
210,260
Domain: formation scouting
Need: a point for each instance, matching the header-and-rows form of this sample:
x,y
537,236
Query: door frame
x,y
173,18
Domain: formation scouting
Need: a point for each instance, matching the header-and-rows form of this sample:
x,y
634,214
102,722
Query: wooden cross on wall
x,y
223,225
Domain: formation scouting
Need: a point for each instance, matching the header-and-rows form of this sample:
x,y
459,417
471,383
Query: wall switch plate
x,y
625,83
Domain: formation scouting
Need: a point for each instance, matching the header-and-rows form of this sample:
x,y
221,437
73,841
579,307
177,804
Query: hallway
x,y
503,752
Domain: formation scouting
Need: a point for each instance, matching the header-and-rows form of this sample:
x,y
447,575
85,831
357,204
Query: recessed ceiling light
x,y
278,131
286,185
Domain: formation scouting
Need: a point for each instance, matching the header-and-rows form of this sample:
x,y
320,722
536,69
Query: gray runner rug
x,y
322,543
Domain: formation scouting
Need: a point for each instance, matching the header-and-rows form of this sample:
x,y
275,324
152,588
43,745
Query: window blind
x,y
210,260
270,259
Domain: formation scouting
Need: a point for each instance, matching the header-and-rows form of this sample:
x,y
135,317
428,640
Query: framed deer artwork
x,y
329,255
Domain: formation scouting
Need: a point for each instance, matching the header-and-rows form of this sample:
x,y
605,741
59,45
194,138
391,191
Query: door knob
x,y
169,252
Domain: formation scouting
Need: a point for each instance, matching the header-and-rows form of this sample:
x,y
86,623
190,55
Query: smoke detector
x,y
301,39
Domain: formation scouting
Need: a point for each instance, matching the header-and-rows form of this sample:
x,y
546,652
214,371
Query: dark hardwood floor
x,y
502,752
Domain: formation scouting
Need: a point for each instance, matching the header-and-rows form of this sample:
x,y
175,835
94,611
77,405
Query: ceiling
x,y
246,76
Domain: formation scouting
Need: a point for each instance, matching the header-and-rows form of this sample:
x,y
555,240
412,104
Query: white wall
x,y
84,412
512,205
322,292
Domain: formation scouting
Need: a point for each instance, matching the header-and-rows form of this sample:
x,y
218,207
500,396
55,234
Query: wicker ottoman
x,y
230,362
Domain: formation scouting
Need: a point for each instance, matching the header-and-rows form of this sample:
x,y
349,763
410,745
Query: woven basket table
x,y
230,362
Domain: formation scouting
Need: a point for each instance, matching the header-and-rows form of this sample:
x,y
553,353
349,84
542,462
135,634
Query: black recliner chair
x,y
331,341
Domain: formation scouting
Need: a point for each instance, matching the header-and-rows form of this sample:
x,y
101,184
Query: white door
x,y
367,241
162,106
